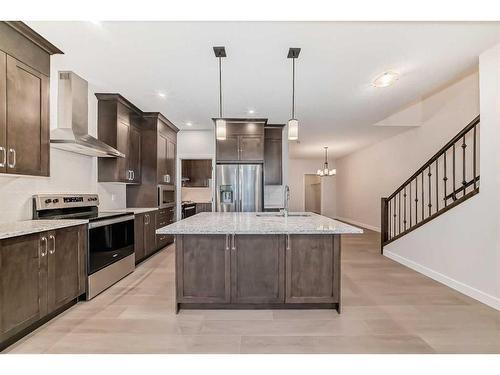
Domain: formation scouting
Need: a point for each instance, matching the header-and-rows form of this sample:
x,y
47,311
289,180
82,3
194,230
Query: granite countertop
x,y
20,228
250,223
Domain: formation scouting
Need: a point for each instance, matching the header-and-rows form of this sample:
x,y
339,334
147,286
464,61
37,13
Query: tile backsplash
x,y
69,173
200,195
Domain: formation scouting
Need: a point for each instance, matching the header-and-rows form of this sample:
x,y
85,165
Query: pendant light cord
x,y
293,88
220,87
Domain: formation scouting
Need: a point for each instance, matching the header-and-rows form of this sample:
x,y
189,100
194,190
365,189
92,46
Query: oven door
x,y
188,210
109,241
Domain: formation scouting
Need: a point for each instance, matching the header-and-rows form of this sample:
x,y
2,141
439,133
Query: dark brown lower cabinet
x,y
258,269
139,238
146,240
164,217
23,276
313,269
150,233
203,269
66,265
203,207
39,274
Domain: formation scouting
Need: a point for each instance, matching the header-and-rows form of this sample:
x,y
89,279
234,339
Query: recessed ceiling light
x,y
385,79
189,123
97,23
251,111
162,94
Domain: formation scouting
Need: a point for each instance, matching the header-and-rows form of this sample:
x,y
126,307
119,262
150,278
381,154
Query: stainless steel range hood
x,y
71,133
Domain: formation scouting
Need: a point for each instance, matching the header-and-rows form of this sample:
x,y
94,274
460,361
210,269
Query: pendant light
x,y
326,171
220,123
293,123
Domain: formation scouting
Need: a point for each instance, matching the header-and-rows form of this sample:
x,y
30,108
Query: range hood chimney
x,y
72,133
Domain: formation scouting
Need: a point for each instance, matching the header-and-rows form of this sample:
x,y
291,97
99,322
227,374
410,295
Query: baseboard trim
x,y
477,294
359,224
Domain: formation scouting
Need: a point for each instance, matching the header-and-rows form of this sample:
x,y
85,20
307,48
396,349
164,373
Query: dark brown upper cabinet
x,y
119,125
24,100
244,141
158,160
273,165
196,172
166,155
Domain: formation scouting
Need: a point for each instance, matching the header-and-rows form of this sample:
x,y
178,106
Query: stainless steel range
x,y
110,236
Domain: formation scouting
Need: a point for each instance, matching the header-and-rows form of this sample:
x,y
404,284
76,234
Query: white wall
x,y
461,248
69,172
376,171
297,168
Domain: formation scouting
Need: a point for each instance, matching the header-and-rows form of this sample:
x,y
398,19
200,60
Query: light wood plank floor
x,y
387,308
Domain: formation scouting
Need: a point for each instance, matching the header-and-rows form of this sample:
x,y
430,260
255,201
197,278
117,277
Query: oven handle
x,y
101,223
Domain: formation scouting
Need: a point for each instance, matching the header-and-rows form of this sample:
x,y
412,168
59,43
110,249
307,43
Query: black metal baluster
x,y
437,185
388,213
416,200
454,177
423,206
409,204
404,209
429,174
399,210
395,215
444,180
464,182
474,159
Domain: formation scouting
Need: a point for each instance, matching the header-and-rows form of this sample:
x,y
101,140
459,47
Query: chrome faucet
x,y
286,199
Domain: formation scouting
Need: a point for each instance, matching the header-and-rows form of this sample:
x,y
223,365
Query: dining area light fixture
x,y
293,123
326,171
220,123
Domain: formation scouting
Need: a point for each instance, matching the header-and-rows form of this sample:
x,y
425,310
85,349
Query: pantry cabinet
x,y
158,162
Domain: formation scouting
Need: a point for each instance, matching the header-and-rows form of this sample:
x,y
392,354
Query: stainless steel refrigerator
x,y
240,188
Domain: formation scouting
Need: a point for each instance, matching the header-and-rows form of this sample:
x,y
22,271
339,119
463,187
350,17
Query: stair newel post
x,y
384,223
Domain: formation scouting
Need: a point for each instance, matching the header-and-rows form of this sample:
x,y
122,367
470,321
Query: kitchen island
x,y
231,260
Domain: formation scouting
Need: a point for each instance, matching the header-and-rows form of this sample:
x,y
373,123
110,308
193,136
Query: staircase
x,y
447,179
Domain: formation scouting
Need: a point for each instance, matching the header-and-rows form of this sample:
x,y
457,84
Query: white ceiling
x,y
335,102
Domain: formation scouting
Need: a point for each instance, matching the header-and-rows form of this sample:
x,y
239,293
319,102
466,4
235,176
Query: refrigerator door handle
x,y
240,188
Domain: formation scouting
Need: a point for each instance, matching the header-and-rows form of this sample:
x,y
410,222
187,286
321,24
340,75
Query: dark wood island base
x,y
257,271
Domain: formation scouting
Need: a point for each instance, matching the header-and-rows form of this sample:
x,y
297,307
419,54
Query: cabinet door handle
x,y
288,248
146,217
13,153
53,249
227,242
43,250
133,175
233,246
4,157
